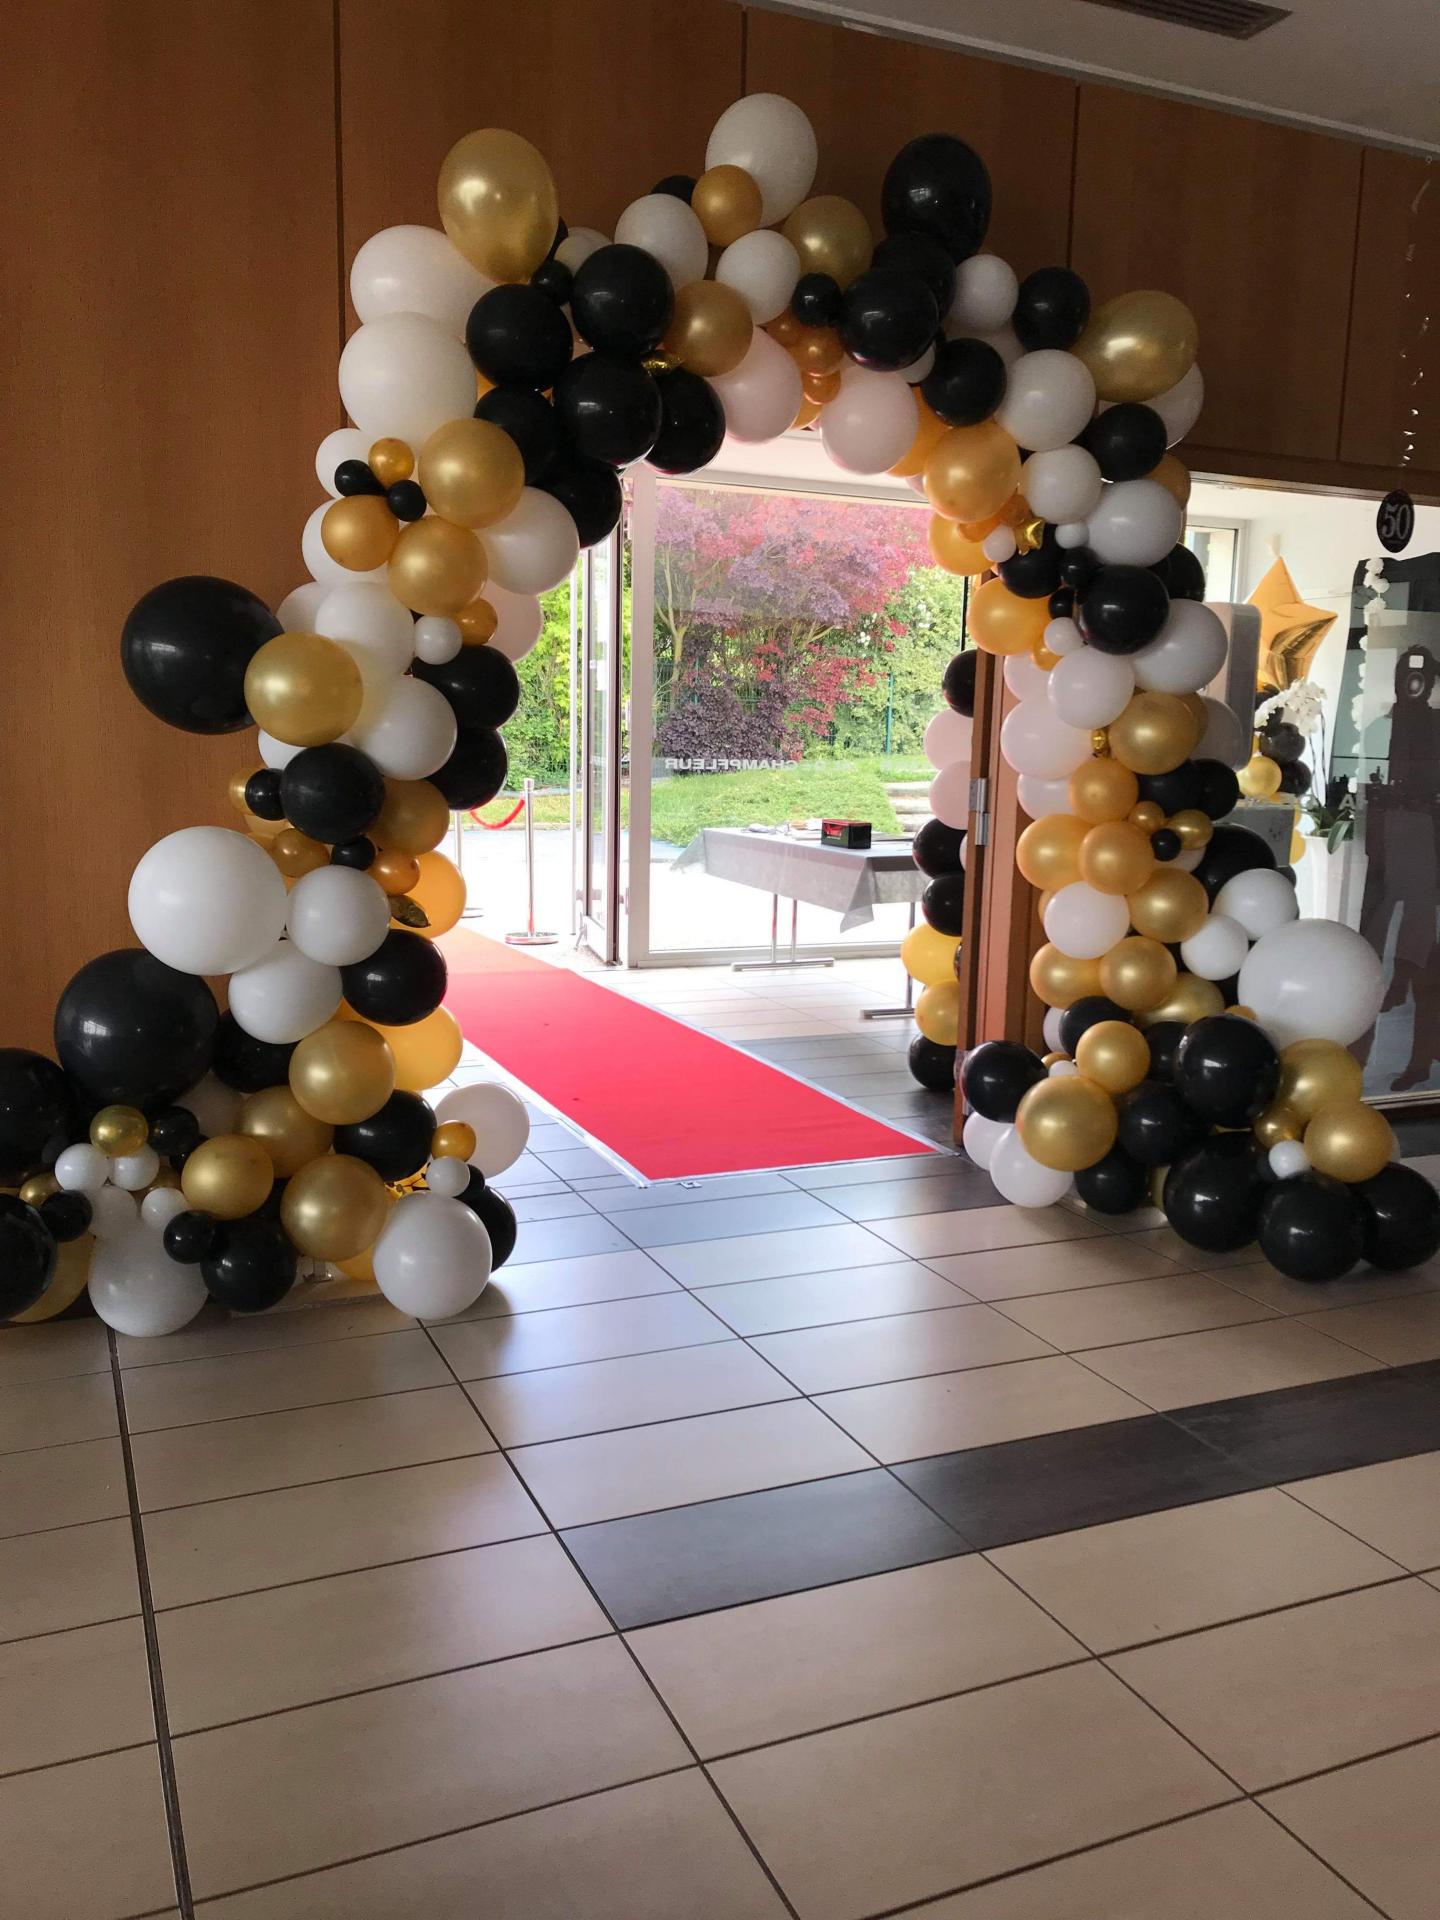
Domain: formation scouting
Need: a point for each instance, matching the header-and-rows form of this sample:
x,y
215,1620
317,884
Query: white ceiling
x,y
1366,68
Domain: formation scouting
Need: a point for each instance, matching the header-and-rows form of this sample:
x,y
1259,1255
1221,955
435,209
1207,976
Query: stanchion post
x,y
528,937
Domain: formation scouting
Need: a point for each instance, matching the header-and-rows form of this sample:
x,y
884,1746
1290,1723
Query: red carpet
x,y
670,1101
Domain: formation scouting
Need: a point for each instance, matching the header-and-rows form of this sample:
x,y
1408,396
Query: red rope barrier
x,y
494,826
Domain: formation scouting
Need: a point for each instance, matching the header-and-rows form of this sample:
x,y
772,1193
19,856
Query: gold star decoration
x,y
1290,631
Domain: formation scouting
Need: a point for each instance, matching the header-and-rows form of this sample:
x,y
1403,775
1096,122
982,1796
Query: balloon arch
x,y
1198,1027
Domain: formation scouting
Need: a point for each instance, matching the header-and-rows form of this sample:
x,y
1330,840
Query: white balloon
x,y
948,738
1035,740
275,753
1062,636
501,1123
870,423
134,1171
762,267
415,270
1187,653
917,369
763,394
1038,797
981,1136
999,545
345,443
1179,406
214,1105
1287,1158
1136,523
437,639
1216,949
296,612
1024,678
1224,738
160,1206
578,245
405,375
207,900
1071,533
433,1256
1048,399
136,1288
1063,484
448,1177
1259,900
1089,688
950,795
535,546
1058,1069
773,141
81,1168
113,1213
1085,923
984,299
337,916
370,621
1006,343
1188,859
1021,1180
1313,979
1051,1028
328,572
668,230
519,621
285,995
408,729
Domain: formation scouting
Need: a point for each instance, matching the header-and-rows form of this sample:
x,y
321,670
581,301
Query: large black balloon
x,y
622,301
37,1113
943,903
192,1237
66,1215
608,409
185,647
1400,1217
1127,441
253,1268
692,423
1283,742
1035,574
958,681
918,254
1123,608
931,1064
938,185
129,1029
27,1256
1219,789
1232,850
335,791
518,337
1311,1227
1051,309
476,769
1163,1040
1115,1184
1086,1012
1182,573
1227,1070
248,1064
530,421
399,983
887,319
997,1075
936,848
495,1214
966,383
1153,1124
1295,778
396,1140
1213,1192
1177,790
481,685
589,491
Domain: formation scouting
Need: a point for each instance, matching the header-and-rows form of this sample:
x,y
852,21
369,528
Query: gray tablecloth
x,y
851,881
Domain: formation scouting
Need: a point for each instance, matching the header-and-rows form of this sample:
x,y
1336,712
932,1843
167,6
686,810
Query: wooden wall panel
x,y
170,319
867,96
1392,384
1254,226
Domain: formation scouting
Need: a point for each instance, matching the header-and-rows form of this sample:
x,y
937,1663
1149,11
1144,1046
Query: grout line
x,y
328,1479
1328,1865
660,1420
75,1759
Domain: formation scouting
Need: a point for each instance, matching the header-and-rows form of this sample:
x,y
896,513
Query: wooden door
x,y
1392,372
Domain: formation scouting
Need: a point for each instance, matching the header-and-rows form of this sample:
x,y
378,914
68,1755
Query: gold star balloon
x,y
1290,631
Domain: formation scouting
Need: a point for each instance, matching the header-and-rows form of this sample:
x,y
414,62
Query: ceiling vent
x,y
1230,19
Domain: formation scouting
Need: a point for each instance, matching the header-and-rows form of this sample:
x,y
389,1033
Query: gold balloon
x,y
477,622
807,413
1349,1141
471,473
948,546
1052,1059
343,1072
1174,477
295,853
728,203
1060,980
436,567
1190,999
426,1052
1138,345
39,1187
1278,1123
1012,514
1194,828
1170,906
359,532
1137,973
236,792
227,1176
1100,742
929,956
390,461
452,1141
498,203
1067,1123
1316,1074
1048,851
930,430
1145,814
1116,857
784,329
394,872
333,1207
1259,777
710,329
1115,1055
937,1013
1043,657
414,818
439,892
817,350
67,1283
1002,622
1103,790
119,1130
1154,733
291,1136
304,689
831,236
1297,847
972,473
820,388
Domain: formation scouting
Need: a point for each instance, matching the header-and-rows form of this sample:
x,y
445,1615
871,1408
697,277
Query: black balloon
x,y
1227,1070
518,337
1213,1192
692,423
555,280
192,1237
1116,1184
589,491
1165,844
406,500
333,792
943,903
130,1029
1051,309
957,683
396,1140
1123,608
1084,1013
174,1130
358,853
1034,575
1400,1217
480,684
1062,603
936,848
27,1256
918,254
37,1113
997,1075
355,476
399,983
1078,568
1154,1126
252,1269
1283,742
185,647
608,409
1182,573
932,1065
1219,790
680,186
887,319
1177,791
938,185
1127,441
530,421
1295,778
262,794
622,301
476,769
1163,1040
1311,1227
495,1214
248,1064
816,300
66,1215
1228,851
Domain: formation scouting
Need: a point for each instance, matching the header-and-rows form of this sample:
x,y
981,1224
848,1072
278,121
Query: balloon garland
x,y
172,1153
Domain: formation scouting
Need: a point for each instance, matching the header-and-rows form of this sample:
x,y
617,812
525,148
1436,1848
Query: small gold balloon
x,y
391,461
341,1073
1194,827
1048,851
1243,1013
806,414
972,472
471,473
1190,999
1002,622
817,350
1104,790
1349,1141
291,1136
437,567
359,532
393,871
821,388
710,329
1060,980
1170,906
930,430
1278,1123
1157,1186
1115,857
119,1130
1153,734
1138,345
39,1187
426,1052
414,818
498,203
1052,1059
784,329
1316,1074
452,1141
1100,742
937,1013
1174,477
304,689
1137,973
333,1207
728,204
1146,815
831,235
227,1176
1297,848
1067,1124
295,853
948,546
1115,1055
1043,657
477,622
235,789
1259,777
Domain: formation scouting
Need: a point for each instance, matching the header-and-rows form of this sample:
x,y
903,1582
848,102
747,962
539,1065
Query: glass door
x,y
600,750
